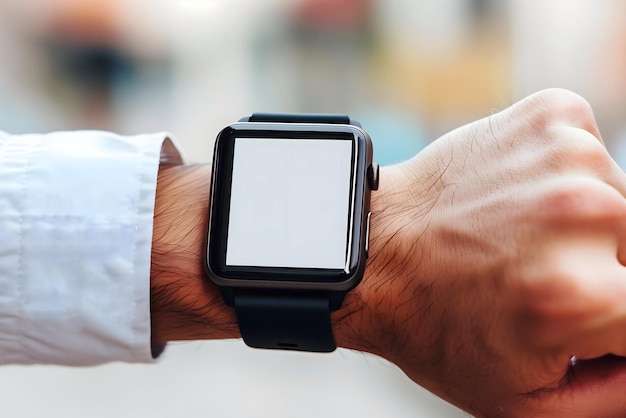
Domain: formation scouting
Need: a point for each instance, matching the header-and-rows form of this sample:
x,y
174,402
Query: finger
x,y
600,328
586,205
576,149
577,296
581,148
593,388
615,176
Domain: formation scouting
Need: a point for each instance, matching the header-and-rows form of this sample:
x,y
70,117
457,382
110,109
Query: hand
x,y
496,256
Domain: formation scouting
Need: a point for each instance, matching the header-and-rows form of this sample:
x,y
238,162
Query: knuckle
x,y
591,151
581,200
576,148
560,105
542,289
568,197
548,299
538,299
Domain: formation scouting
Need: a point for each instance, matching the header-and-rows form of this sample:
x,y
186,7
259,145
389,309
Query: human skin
x,y
496,255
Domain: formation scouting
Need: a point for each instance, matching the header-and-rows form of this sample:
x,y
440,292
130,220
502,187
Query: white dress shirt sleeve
x,y
76,211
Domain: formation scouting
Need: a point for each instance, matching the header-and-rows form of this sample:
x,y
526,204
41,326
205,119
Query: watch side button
x,y
367,235
373,176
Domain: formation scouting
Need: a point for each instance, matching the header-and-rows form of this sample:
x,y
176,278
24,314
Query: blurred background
x,y
409,70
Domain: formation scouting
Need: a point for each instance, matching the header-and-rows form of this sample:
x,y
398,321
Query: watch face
x,y
287,204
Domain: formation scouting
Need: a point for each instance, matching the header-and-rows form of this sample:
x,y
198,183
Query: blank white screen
x,y
289,203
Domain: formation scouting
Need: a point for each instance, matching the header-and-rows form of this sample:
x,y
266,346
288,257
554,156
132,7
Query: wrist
x,y
184,305
371,319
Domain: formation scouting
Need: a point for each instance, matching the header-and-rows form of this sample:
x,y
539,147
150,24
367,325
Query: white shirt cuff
x,y
76,213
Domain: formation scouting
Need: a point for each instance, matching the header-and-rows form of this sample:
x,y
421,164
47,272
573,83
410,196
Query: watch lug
x,y
228,293
336,299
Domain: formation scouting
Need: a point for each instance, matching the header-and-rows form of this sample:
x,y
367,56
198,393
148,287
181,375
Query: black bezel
x,y
285,277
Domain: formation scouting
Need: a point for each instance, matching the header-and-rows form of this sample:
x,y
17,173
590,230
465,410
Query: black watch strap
x,y
287,321
301,118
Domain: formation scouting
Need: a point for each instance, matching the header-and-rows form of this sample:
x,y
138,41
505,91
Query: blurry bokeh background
x,y
409,70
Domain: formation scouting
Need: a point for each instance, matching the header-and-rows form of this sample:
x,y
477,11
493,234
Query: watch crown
x,y
372,176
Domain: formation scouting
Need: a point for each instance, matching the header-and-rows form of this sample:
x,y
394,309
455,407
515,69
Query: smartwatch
x,y
289,224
